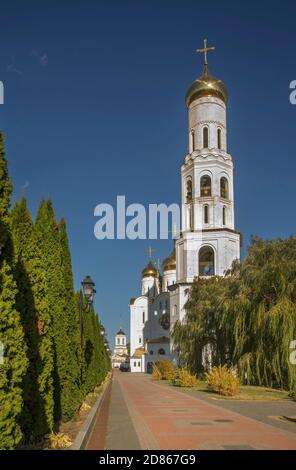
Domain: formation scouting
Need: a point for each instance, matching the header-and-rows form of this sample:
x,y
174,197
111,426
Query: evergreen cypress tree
x,y
65,372
15,361
5,192
71,311
96,362
104,358
37,416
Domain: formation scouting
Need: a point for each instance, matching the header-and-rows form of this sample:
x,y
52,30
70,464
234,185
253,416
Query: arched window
x,y
206,265
161,352
205,186
206,214
143,317
192,136
224,215
118,340
191,218
224,188
175,310
219,134
188,190
205,134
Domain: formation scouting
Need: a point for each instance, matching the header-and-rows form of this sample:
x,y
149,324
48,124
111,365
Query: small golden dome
x,y
149,271
170,262
206,85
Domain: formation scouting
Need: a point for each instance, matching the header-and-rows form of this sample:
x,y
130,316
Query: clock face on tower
x,y
164,321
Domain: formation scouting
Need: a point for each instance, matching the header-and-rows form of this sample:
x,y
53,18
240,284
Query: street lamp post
x,y
88,292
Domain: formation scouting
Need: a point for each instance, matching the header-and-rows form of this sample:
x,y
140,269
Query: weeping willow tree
x,y
247,318
267,302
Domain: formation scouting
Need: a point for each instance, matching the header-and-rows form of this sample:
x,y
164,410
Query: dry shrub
x,y
223,381
59,441
166,369
85,407
156,375
183,378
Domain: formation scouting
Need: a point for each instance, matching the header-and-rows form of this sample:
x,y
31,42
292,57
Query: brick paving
x,y
158,417
267,411
97,437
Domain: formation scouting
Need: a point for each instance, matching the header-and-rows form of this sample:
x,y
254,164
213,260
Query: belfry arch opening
x,y
224,192
205,137
205,186
219,140
206,261
188,189
206,214
192,140
224,215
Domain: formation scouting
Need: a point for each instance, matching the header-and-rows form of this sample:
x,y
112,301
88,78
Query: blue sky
x,y
94,108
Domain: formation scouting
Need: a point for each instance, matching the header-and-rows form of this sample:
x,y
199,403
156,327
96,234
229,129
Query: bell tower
x,y
209,242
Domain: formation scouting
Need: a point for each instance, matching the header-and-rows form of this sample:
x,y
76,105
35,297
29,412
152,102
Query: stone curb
x,y
88,424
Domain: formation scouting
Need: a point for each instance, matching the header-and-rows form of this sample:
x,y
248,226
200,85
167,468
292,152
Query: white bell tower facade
x,y
208,243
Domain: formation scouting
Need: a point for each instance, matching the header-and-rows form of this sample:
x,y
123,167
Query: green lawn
x,y
246,392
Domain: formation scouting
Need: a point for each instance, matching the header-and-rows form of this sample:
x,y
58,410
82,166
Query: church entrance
x,y
149,367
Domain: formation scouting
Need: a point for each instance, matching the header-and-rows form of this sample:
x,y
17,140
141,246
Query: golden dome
x,y
206,85
149,271
170,262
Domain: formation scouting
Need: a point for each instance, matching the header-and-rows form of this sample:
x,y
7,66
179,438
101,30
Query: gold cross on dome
x,y
205,50
150,251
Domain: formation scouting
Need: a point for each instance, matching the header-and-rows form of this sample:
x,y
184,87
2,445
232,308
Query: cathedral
x,y
207,243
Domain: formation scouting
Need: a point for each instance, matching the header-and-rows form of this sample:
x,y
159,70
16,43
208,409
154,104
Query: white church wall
x,y
156,309
147,284
138,318
169,278
136,365
211,112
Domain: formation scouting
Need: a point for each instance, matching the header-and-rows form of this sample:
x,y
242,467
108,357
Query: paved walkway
x,y
269,412
141,414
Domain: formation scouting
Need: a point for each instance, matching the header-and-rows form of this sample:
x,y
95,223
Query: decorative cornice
x,y
202,123
192,157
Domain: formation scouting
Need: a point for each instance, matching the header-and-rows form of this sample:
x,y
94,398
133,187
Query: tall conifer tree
x,y
37,417
71,309
14,364
65,386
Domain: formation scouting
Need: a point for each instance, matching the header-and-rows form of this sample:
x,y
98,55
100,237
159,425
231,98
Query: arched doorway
x,y
206,261
149,367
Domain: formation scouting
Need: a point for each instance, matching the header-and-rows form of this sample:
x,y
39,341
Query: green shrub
x,y
223,381
183,378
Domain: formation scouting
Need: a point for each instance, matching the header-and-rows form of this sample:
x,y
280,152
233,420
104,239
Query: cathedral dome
x,y
169,263
206,85
149,271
